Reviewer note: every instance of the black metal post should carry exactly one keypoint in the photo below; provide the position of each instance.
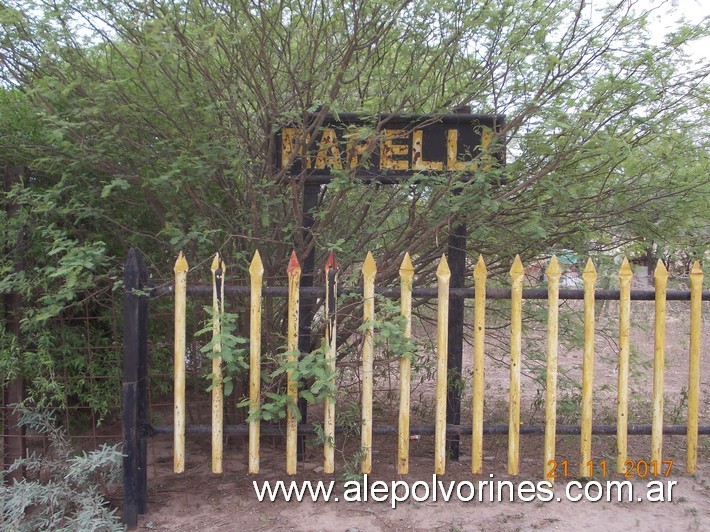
(135, 396)
(457, 265)
(306, 307)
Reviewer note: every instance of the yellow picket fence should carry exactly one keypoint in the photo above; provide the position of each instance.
(443, 274)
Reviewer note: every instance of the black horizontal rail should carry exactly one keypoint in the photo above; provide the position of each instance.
(204, 290)
(462, 430)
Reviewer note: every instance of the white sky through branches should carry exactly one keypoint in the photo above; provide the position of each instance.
(665, 16)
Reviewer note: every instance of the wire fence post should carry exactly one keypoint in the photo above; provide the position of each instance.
(13, 435)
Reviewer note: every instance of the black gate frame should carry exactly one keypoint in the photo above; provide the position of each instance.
(135, 388)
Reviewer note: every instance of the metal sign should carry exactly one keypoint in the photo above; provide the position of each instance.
(390, 148)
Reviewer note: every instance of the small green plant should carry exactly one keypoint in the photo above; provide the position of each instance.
(63, 490)
(319, 437)
(569, 405)
(351, 467)
(347, 417)
(234, 355)
(314, 376)
(388, 328)
(312, 372)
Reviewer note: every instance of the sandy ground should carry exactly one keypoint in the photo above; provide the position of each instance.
(197, 500)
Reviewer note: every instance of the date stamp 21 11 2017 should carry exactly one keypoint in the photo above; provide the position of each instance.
(632, 469)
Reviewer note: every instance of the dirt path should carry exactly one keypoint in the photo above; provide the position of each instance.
(198, 500)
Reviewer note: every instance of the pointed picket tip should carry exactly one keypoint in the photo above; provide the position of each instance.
(590, 272)
(480, 268)
(406, 268)
(215, 262)
(696, 270)
(293, 264)
(256, 268)
(625, 272)
(660, 272)
(517, 269)
(443, 269)
(180, 264)
(222, 265)
(331, 263)
(553, 269)
(369, 267)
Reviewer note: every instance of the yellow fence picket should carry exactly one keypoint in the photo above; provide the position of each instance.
(589, 276)
(696, 287)
(406, 276)
(660, 278)
(553, 295)
(294, 284)
(480, 274)
(516, 314)
(622, 409)
(443, 276)
(179, 364)
(331, 297)
(369, 269)
(256, 274)
(218, 271)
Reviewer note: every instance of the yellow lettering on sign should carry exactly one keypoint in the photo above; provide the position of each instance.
(394, 150)
(289, 138)
(357, 147)
(418, 162)
(487, 160)
(389, 150)
(328, 151)
(452, 150)
(288, 145)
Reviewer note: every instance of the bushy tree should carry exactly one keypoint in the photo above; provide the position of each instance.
(150, 124)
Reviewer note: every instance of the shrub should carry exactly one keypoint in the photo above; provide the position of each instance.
(63, 490)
